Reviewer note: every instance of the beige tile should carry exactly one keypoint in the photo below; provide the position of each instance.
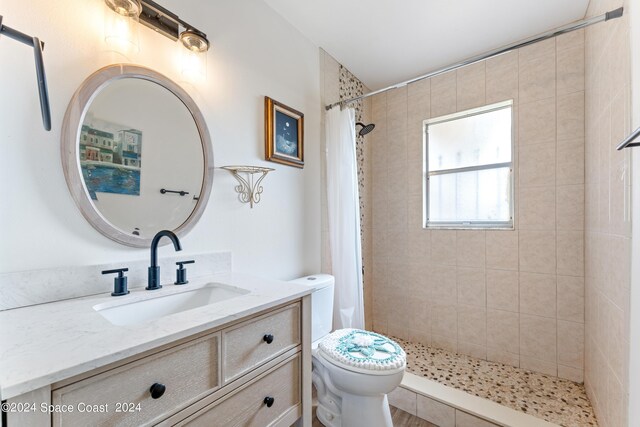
(397, 329)
(537, 121)
(415, 219)
(471, 286)
(472, 325)
(444, 321)
(502, 81)
(502, 290)
(537, 365)
(472, 350)
(443, 284)
(419, 100)
(570, 116)
(537, 251)
(537, 338)
(398, 217)
(443, 247)
(538, 294)
(538, 78)
(502, 249)
(445, 342)
(570, 161)
(470, 246)
(403, 399)
(570, 298)
(420, 336)
(570, 40)
(436, 412)
(470, 86)
(616, 340)
(509, 60)
(503, 330)
(571, 374)
(418, 313)
(419, 246)
(537, 50)
(616, 401)
(570, 207)
(504, 357)
(396, 246)
(537, 209)
(464, 419)
(443, 94)
(570, 344)
(537, 165)
(380, 325)
(570, 77)
(571, 253)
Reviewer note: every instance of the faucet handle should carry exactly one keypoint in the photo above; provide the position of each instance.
(120, 282)
(181, 272)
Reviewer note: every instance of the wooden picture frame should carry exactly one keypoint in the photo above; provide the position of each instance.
(283, 134)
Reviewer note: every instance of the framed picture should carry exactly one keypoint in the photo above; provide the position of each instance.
(284, 130)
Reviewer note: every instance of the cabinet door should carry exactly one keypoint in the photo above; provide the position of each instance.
(246, 346)
(247, 406)
(122, 396)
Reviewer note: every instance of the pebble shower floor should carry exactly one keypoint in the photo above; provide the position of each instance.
(552, 399)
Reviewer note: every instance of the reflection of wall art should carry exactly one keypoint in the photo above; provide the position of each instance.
(284, 130)
(110, 158)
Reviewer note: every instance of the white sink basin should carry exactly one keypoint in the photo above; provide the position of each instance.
(153, 308)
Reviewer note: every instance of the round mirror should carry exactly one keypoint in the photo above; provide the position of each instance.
(136, 154)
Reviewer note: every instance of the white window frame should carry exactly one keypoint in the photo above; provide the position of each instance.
(458, 225)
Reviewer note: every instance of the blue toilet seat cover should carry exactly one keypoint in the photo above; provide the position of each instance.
(363, 350)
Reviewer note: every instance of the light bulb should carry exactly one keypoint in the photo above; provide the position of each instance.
(121, 25)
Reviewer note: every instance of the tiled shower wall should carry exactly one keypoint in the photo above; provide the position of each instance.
(515, 297)
(608, 227)
(337, 84)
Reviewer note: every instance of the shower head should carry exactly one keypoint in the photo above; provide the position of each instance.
(365, 128)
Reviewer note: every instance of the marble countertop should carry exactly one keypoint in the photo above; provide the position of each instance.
(45, 343)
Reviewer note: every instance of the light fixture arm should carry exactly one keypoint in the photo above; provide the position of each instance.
(164, 21)
(40, 74)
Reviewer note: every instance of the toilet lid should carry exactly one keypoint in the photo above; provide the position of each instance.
(363, 351)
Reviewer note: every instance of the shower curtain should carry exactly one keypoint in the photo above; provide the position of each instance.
(344, 218)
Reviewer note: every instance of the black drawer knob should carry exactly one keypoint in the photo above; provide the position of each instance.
(157, 390)
(268, 338)
(269, 401)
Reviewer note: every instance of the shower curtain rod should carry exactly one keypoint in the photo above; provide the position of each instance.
(531, 40)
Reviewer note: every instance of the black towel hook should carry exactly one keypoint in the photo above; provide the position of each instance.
(40, 75)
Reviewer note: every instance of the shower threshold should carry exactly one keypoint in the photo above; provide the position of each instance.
(446, 385)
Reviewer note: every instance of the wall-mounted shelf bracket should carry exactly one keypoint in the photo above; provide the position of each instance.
(630, 141)
(249, 178)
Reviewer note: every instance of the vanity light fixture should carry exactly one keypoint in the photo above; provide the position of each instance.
(167, 23)
(249, 188)
(121, 27)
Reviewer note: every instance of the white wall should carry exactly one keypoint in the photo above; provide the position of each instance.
(254, 53)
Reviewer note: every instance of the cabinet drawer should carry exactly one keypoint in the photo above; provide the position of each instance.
(187, 371)
(246, 407)
(244, 346)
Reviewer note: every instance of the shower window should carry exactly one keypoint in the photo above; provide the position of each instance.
(469, 168)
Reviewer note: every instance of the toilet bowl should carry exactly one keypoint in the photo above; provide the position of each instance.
(353, 369)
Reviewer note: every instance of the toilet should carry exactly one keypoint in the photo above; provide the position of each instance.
(353, 369)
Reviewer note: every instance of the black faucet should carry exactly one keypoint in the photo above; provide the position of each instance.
(154, 270)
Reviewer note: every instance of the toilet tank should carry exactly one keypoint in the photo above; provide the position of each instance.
(321, 303)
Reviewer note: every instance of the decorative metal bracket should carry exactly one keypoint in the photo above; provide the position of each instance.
(249, 188)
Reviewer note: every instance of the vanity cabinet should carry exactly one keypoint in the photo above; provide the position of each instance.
(254, 371)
